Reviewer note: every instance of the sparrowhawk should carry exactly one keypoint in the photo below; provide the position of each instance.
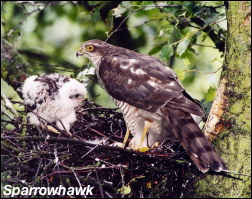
(152, 100)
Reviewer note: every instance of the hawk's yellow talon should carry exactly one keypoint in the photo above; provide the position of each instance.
(144, 149)
(140, 148)
(156, 144)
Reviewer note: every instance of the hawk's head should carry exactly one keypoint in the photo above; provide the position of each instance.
(94, 50)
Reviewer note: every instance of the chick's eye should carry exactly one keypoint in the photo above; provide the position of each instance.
(89, 48)
(75, 96)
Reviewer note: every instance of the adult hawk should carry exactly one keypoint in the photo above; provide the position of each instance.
(152, 101)
(52, 98)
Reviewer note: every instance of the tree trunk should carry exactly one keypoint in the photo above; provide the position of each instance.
(232, 117)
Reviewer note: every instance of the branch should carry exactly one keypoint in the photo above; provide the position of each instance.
(74, 141)
(202, 72)
(8, 105)
(13, 66)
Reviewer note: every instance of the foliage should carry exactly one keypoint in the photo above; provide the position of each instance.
(48, 35)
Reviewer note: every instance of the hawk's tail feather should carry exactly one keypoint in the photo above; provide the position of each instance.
(193, 140)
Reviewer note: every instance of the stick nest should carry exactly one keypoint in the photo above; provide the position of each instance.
(33, 156)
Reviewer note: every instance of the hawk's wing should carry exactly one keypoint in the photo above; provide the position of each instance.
(145, 82)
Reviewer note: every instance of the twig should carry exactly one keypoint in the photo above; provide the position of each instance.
(162, 6)
(123, 182)
(83, 143)
(95, 131)
(206, 46)
(6, 114)
(8, 104)
(99, 182)
(114, 31)
(76, 177)
(194, 32)
(163, 43)
(74, 161)
(89, 151)
(137, 26)
(202, 72)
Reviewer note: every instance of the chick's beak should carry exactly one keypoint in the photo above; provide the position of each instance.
(82, 98)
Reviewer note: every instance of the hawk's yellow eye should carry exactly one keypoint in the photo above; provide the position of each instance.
(89, 48)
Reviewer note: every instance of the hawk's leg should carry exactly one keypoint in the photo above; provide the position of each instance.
(146, 129)
(140, 144)
(126, 137)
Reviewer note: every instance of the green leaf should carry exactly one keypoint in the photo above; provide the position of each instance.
(155, 50)
(180, 74)
(195, 37)
(9, 91)
(186, 61)
(121, 8)
(110, 21)
(166, 52)
(190, 49)
(189, 6)
(180, 161)
(182, 46)
(11, 94)
(125, 190)
(214, 18)
(210, 94)
(93, 3)
(148, 5)
(166, 30)
(96, 16)
(175, 35)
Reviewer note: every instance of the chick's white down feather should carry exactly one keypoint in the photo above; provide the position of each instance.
(52, 98)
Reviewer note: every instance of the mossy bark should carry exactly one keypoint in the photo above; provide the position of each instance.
(234, 141)
(13, 67)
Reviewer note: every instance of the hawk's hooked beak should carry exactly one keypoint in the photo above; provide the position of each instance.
(79, 53)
